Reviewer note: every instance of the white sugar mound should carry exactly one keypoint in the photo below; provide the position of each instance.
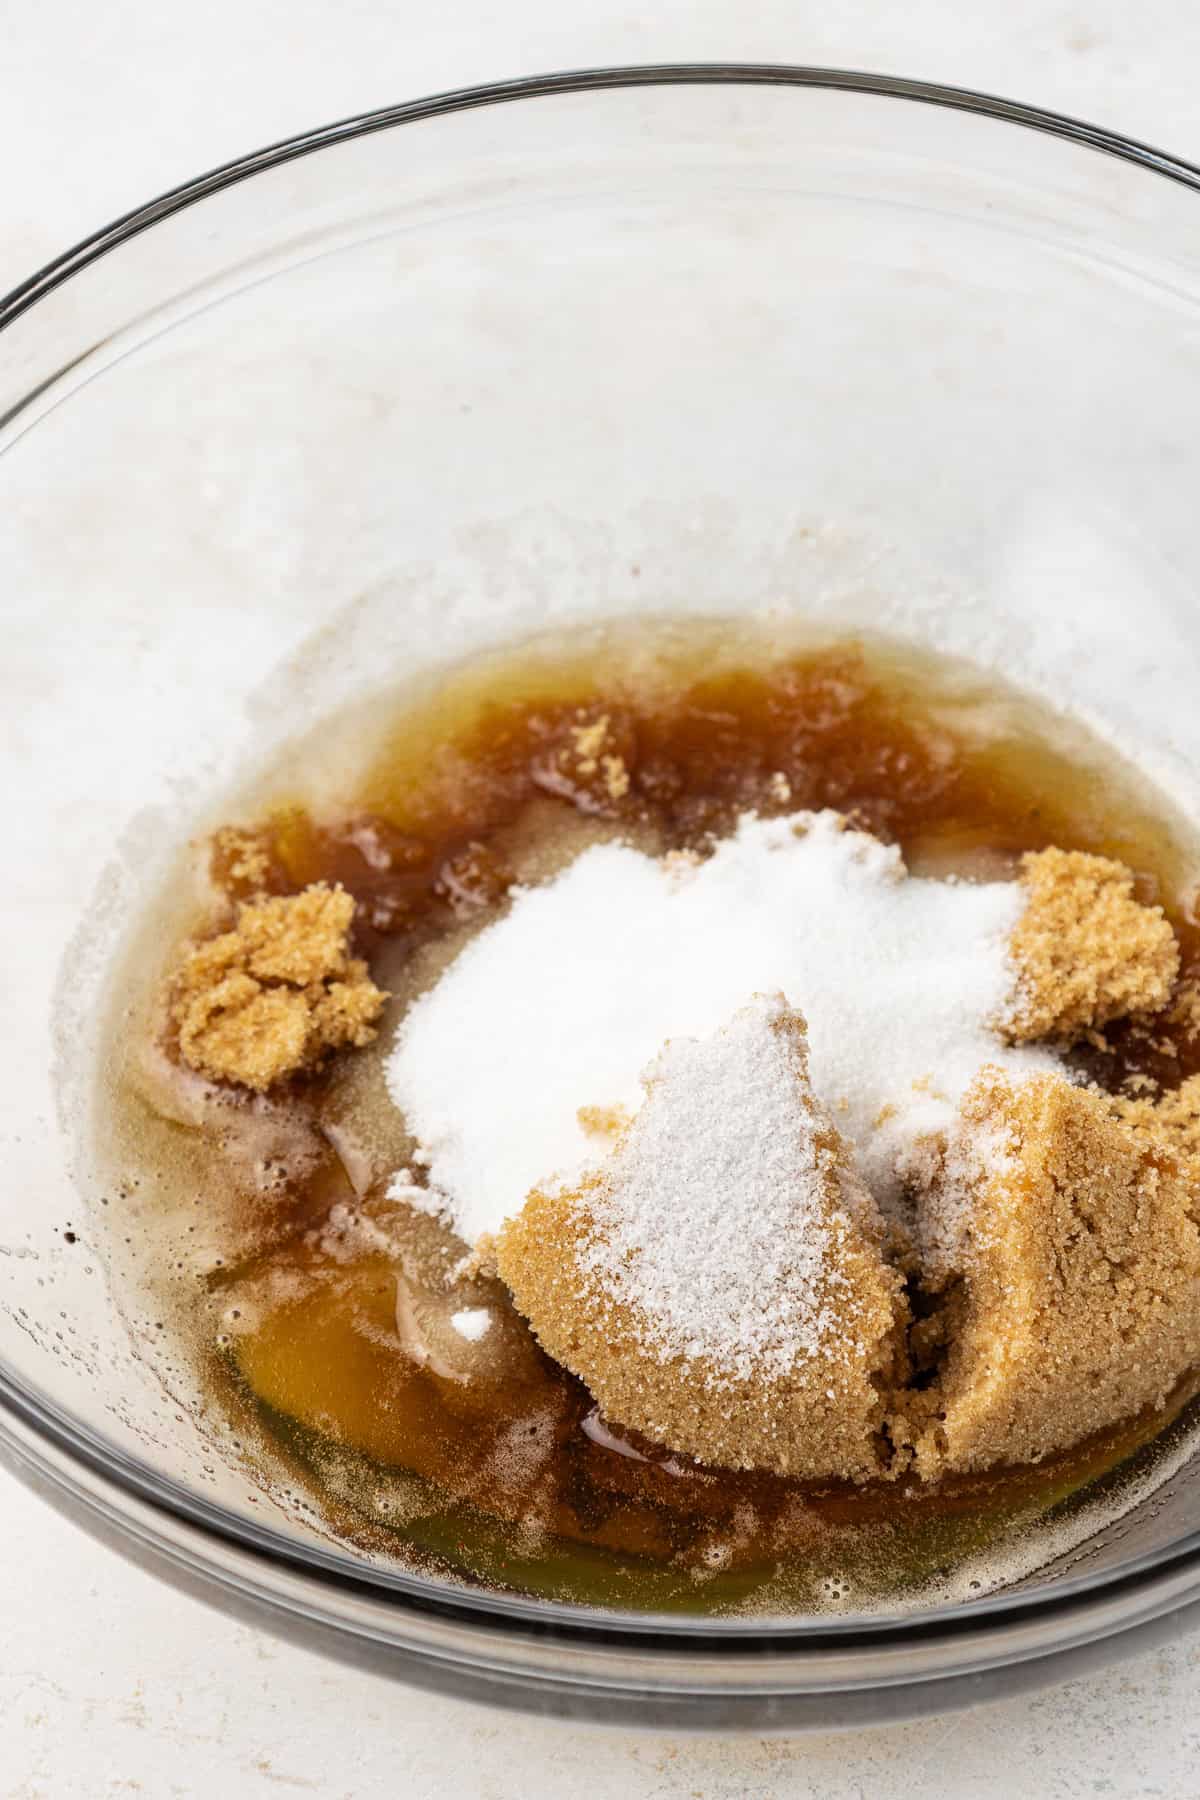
(566, 999)
(727, 1139)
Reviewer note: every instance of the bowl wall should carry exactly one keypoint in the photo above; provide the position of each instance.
(699, 349)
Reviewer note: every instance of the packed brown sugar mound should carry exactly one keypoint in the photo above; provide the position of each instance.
(277, 993)
(718, 1284)
(1069, 1269)
(1086, 951)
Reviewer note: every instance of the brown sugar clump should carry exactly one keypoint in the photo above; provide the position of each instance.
(277, 993)
(1069, 1272)
(607, 1122)
(589, 764)
(1085, 950)
(1184, 1010)
(718, 1283)
(1172, 1123)
(241, 860)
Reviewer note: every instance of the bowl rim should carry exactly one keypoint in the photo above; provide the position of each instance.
(79, 256)
(27, 1418)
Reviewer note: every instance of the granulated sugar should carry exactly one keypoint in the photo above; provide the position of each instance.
(473, 1323)
(563, 1002)
(729, 1142)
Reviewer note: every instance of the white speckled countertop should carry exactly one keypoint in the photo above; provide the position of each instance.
(109, 1683)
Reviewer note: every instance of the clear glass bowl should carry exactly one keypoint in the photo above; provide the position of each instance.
(687, 340)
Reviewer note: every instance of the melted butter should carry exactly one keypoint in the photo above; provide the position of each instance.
(320, 1314)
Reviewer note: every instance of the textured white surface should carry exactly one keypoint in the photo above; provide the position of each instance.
(110, 1684)
(898, 980)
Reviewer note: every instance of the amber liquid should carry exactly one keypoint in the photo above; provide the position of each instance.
(329, 1344)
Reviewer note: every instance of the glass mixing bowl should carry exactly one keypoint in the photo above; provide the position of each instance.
(686, 340)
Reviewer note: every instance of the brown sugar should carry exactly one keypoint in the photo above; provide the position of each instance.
(823, 1421)
(800, 1394)
(1068, 1267)
(1085, 950)
(277, 993)
(616, 776)
(1172, 1122)
(603, 1121)
(1184, 1011)
(589, 765)
(589, 740)
(241, 859)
